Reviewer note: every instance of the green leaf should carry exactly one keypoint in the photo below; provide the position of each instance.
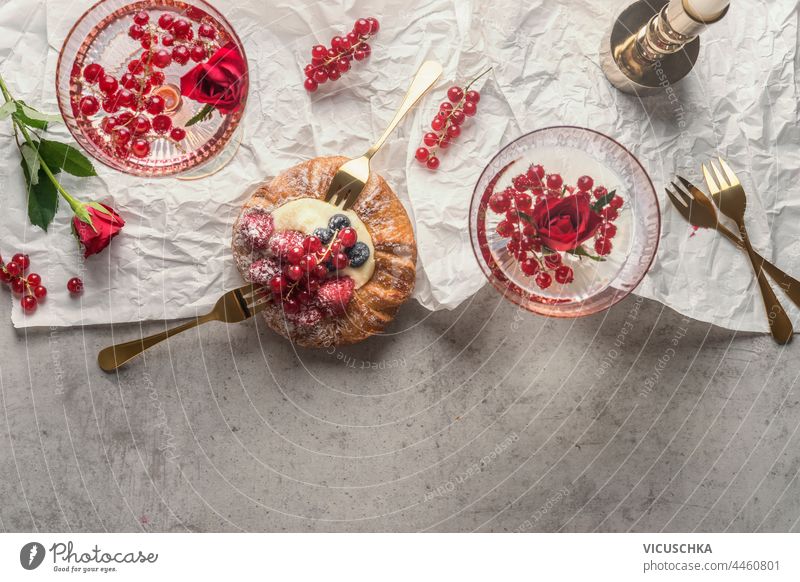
(582, 252)
(7, 109)
(31, 161)
(202, 115)
(42, 201)
(33, 118)
(603, 202)
(65, 157)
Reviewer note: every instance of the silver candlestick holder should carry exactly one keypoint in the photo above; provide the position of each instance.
(653, 44)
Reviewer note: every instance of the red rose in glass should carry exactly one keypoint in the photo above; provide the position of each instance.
(564, 223)
(96, 236)
(220, 81)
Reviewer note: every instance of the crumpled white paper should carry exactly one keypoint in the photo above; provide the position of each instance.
(173, 257)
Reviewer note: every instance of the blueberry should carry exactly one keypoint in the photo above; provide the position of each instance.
(358, 253)
(324, 234)
(338, 222)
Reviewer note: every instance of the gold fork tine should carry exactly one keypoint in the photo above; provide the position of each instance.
(729, 173)
(723, 183)
(712, 185)
(675, 199)
(680, 195)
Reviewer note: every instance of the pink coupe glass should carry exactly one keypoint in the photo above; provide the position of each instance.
(118, 118)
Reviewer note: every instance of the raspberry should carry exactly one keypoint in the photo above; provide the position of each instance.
(257, 228)
(263, 270)
(281, 242)
(335, 294)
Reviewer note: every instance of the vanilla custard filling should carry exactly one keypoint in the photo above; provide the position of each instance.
(308, 214)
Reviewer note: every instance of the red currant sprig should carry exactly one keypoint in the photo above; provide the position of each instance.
(446, 126)
(329, 64)
(28, 286)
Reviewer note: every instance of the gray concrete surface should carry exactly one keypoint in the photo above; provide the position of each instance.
(481, 419)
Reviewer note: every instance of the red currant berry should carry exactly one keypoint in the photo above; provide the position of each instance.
(207, 31)
(89, 105)
(294, 272)
(470, 108)
(93, 73)
(422, 154)
(523, 201)
(555, 181)
(499, 202)
(353, 39)
(599, 192)
(362, 27)
(141, 148)
(602, 246)
(340, 260)
(319, 272)
(75, 285)
(168, 40)
(521, 182)
(536, 174)
(181, 28)
(607, 230)
(309, 71)
(125, 98)
(609, 213)
(295, 254)
(155, 105)
(141, 18)
(343, 65)
(136, 32)
(125, 118)
(307, 263)
(311, 85)
(181, 55)
(162, 124)
(198, 53)
(291, 306)
(505, 228)
(585, 184)
(121, 136)
(432, 163)
(616, 203)
(457, 117)
(359, 55)
(312, 244)
(22, 260)
(141, 125)
(552, 261)
(40, 292)
(129, 81)
(455, 94)
(319, 52)
(108, 124)
(453, 131)
(34, 279)
(472, 96)
(544, 280)
(108, 84)
(166, 21)
(374, 25)
(348, 237)
(177, 134)
(162, 58)
(18, 285)
(304, 297)
(333, 73)
(430, 139)
(29, 303)
(437, 124)
(564, 275)
(320, 76)
(529, 267)
(338, 44)
(278, 284)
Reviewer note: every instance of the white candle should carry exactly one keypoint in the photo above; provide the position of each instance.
(706, 10)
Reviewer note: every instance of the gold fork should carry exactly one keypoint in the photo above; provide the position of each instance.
(730, 197)
(233, 307)
(351, 178)
(698, 209)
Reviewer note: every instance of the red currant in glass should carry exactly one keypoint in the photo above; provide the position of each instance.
(472, 96)
(181, 28)
(168, 40)
(108, 84)
(34, 279)
(602, 246)
(75, 285)
(40, 292)
(23, 260)
(455, 94)
(432, 163)
(536, 174)
(29, 303)
(141, 148)
(609, 213)
(111, 104)
(89, 105)
(92, 73)
(198, 53)
(121, 136)
(422, 154)
(125, 98)
(141, 18)
(555, 181)
(505, 228)
(136, 32)
(544, 280)
(523, 201)
(311, 85)
(499, 202)
(162, 124)
(585, 184)
(180, 54)
(529, 267)
(162, 58)
(155, 105)
(207, 31)
(125, 118)
(470, 108)
(108, 124)
(177, 133)
(129, 81)
(165, 21)
(141, 125)
(564, 275)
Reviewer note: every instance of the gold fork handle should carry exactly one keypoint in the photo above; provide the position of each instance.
(116, 356)
(789, 284)
(426, 76)
(779, 323)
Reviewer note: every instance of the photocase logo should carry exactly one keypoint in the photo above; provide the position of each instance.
(31, 555)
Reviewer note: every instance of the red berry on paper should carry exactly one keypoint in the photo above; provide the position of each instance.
(470, 108)
(29, 303)
(18, 285)
(453, 131)
(433, 162)
(455, 94)
(23, 260)
(374, 25)
(458, 117)
(362, 27)
(430, 139)
(437, 124)
(472, 96)
(422, 154)
(34, 279)
(311, 85)
(40, 292)
(75, 286)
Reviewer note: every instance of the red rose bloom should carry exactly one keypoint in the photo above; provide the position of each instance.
(220, 81)
(564, 223)
(96, 236)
